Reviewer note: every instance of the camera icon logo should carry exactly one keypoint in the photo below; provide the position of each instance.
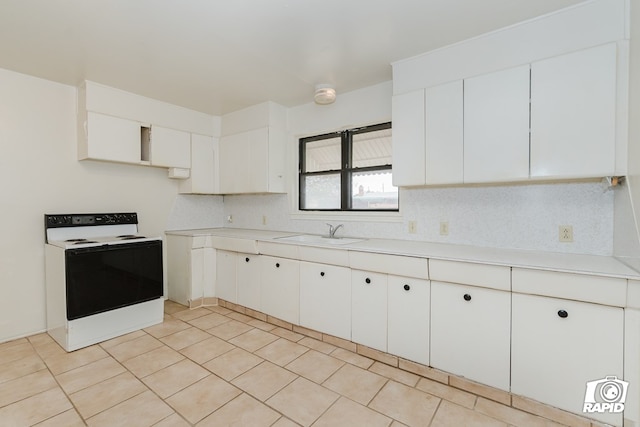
(605, 395)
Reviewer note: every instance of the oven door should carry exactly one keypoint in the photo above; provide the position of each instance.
(104, 278)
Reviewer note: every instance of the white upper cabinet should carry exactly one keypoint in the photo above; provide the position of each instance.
(408, 148)
(496, 126)
(170, 147)
(573, 114)
(444, 134)
(204, 166)
(110, 138)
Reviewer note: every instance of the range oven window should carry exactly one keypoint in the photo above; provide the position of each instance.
(108, 277)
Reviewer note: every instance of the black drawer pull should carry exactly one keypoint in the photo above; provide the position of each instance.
(467, 297)
(277, 265)
(406, 287)
(563, 314)
(246, 259)
(367, 280)
(322, 273)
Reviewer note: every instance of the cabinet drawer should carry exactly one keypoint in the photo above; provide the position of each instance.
(390, 264)
(580, 287)
(249, 246)
(466, 273)
(278, 250)
(324, 256)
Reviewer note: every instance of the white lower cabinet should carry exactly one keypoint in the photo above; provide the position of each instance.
(408, 318)
(470, 332)
(226, 275)
(369, 309)
(248, 280)
(325, 299)
(559, 345)
(190, 269)
(280, 291)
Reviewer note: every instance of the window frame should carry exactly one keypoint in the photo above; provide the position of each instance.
(346, 170)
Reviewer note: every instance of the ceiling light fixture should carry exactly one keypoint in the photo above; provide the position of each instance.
(325, 94)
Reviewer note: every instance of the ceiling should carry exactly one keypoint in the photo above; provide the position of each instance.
(218, 56)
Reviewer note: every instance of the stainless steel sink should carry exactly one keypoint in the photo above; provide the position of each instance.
(313, 239)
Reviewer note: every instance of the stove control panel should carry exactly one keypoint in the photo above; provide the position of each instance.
(84, 220)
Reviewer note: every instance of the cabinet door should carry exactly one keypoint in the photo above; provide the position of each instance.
(248, 281)
(408, 148)
(112, 138)
(496, 126)
(560, 345)
(280, 291)
(257, 157)
(225, 287)
(369, 309)
(234, 167)
(408, 318)
(170, 147)
(573, 114)
(470, 332)
(325, 299)
(444, 133)
(203, 178)
(179, 269)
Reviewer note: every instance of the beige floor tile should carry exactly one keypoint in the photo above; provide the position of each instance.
(209, 321)
(27, 386)
(281, 351)
(153, 361)
(106, 394)
(167, 327)
(264, 380)
(134, 347)
(303, 401)
(356, 414)
(511, 415)
(549, 412)
(450, 414)
(20, 367)
(317, 345)
(187, 315)
(230, 329)
(240, 317)
(285, 333)
(50, 350)
(315, 366)
(405, 404)
(68, 361)
(253, 340)
(404, 377)
(146, 409)
(185, 338)
(171, 307)
(173, 420)
(69, 418)
(174, 378)
(446, 392)
(233, 363)
(15, 350)
(260, 324)
(285, 422)
(122, 338)
(219, 310)
(244, 410)
(207, 349)
(355, 383)
(480, 389)
(351, 357)
(88, 375)
(202, 398)
(35, 409)
(41, 339)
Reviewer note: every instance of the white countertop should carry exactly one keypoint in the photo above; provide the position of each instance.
(571, 263)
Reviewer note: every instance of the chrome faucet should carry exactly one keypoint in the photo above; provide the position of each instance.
(332, 230)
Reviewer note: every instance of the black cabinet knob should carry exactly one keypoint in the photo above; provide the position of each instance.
(277, 265)
(246, 259)
(563, 314)
(367, 280)
(322, 273)
(406, 287)
(467, 297)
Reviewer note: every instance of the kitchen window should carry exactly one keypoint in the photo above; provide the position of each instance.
(347, 171)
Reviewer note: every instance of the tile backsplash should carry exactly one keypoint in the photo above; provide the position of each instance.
(506, 216)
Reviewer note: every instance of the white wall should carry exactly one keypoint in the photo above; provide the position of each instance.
(503, 216)
(40, 174)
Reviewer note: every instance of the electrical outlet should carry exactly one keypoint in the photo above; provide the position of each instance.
(565, 233)
(444, 228)
(264, 220)
(413, 227)
(229, 218)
